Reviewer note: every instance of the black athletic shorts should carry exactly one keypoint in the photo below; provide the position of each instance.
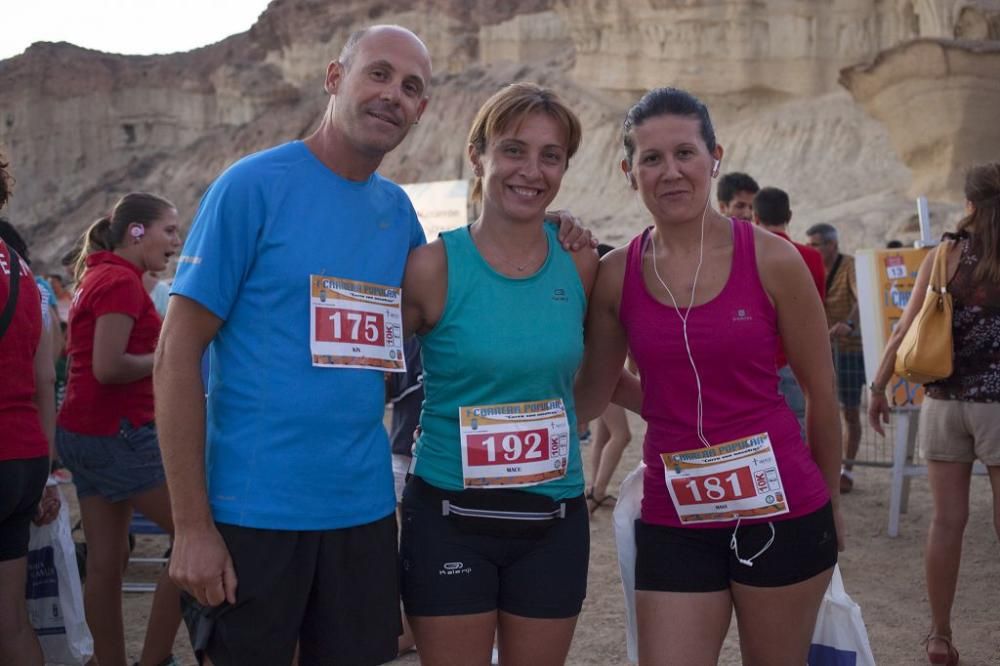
(691, 559)
(21, 486)
(454, 567)
(334, 592)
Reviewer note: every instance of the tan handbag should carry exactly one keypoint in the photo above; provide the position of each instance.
(925, 354)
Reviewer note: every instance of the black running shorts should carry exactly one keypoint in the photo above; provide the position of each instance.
(21, 486)
(451, 569)
(691, 559)
(334, 592)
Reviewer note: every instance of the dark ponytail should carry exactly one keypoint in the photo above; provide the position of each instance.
(95, 239)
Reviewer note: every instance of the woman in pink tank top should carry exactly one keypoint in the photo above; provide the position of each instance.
(737, 512)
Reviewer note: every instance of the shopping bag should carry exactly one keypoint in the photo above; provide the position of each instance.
(840, 637)
(626, 512)
(54, 595)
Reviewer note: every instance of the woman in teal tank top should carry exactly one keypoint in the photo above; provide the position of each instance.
(495, 536)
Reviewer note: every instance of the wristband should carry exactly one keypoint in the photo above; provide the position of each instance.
(875, 389)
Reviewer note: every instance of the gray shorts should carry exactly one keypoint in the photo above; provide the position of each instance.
(115, 467)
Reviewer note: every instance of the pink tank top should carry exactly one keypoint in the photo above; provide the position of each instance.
(732, 338)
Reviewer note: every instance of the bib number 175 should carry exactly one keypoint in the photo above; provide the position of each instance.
(353, 326)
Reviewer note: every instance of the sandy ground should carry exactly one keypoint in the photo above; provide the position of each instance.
(884, 575)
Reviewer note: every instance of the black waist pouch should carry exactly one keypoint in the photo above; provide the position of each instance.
(501, 512)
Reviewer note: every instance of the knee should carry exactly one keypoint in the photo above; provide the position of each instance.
(952, 521)
(107, 565)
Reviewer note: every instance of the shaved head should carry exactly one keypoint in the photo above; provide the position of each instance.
(354, 40)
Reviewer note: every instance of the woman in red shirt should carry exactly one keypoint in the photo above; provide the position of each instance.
(27, 396)
(105, 433)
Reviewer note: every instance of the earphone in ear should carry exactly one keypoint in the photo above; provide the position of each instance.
(715, 168)
(137, 231)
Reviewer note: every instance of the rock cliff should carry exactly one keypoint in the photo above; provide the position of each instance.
(81, 127)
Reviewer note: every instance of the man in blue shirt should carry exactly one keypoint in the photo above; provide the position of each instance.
(282, 488)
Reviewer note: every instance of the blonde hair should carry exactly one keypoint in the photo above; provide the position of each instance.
(509, 107)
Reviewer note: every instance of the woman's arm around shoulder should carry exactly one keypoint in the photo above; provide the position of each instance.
(586, 261)
(605, 342)
(425, 287)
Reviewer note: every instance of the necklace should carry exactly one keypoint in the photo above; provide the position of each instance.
(519, 267)
(527, 261)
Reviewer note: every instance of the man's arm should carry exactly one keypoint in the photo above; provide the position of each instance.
(200, 563)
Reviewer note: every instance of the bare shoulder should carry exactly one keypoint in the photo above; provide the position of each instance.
(611, 277)
(427, 261)
(775, 254)
(613, 264)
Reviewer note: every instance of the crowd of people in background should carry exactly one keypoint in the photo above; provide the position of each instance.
(284, 495)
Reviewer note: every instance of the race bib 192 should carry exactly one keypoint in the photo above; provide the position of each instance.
(514, 444)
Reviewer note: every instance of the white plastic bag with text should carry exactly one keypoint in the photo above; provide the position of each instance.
(840, 637)
(54, 595)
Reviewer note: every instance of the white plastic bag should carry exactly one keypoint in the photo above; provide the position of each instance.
(54, 594)
(840, 637)
(626, 512)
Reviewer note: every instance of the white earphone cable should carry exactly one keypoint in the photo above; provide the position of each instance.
(687, 313)
(733, 543)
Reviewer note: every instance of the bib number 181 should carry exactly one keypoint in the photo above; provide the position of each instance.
(737, 484)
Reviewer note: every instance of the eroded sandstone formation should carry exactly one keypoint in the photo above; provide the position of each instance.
(82, 127)
(940, 99)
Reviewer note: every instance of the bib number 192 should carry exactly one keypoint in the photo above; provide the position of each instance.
(513, 447)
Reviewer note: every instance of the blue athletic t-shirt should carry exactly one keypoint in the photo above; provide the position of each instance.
(292, 446)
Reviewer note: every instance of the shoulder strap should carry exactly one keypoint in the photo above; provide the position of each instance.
(833, 272)
(15, 289)
(939, 271)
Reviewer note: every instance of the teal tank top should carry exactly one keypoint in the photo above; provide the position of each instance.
(500, 340)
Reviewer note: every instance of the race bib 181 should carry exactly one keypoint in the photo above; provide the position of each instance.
(738, 479)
